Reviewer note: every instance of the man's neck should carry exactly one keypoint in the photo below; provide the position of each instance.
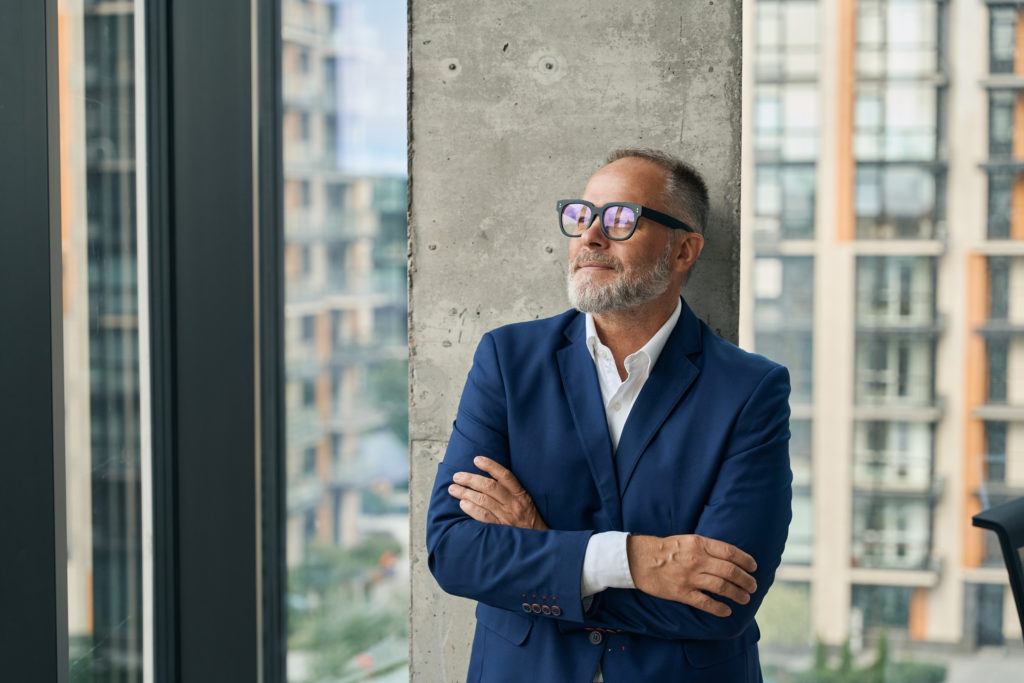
(626, 331)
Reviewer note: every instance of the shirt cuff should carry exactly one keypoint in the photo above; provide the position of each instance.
(605, 564)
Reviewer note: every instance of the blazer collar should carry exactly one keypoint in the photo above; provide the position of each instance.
(669, 381)
(670, 377)
(583, 392)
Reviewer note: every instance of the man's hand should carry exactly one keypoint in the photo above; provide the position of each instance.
(686, 568)
(501, 500)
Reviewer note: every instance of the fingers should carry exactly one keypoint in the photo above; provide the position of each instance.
(478, 499)
(501, 474)
(483, 484)
(720, 586)
(477, 512)
(727, 571)
(729, 552)
(706, 603)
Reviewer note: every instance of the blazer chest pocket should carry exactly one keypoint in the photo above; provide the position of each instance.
(509, 625)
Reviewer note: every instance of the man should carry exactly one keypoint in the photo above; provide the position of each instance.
(616, 490)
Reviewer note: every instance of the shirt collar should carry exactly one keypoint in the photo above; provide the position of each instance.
(654, 346)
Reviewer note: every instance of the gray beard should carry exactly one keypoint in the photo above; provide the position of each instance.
(631, 288)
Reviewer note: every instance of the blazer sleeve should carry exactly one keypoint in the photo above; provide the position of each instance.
(749, 506)
(499, 565)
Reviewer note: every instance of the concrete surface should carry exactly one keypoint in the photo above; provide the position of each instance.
(513, 105)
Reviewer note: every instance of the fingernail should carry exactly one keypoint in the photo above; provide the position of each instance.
(459, 476)
(452, 489)
(477, 460)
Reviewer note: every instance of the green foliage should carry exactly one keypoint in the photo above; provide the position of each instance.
(784, 616)
(881, 670)
(389, 386)
(343, 604)
(846, 659)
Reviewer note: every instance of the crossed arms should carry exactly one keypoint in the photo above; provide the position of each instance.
(487, 539)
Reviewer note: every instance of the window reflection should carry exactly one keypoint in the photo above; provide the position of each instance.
(101, 339)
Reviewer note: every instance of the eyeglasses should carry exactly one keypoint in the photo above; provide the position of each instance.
(618, 219)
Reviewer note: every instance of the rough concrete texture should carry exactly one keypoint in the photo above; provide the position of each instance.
(513, 105)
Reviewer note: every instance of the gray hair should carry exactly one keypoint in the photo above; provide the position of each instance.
(685, 189)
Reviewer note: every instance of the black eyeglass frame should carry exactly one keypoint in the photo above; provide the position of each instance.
(639, 210)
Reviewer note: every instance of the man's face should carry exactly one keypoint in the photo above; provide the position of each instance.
(606, 275)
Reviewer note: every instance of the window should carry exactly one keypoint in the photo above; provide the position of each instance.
(898, 38)
(999, 185)
(997, 353)
(995, 452)
(899, 202)
(893, 371)
(892, 455)
(999, 287)
(348, 589)
(1000, 122)
(890, 532)
(787, 40)
(895, 290)
(1002, 32)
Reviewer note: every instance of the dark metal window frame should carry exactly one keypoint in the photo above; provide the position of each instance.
(216, 293)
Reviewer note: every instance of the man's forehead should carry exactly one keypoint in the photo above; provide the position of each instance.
(630, 175)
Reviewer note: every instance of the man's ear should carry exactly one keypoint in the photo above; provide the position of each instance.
(687, 250)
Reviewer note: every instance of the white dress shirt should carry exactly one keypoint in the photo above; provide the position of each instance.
(605, 563)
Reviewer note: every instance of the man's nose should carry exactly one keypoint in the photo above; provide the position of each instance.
(594, 235)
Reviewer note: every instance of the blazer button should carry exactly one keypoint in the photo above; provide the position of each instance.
(535, 608)
(556, 611)
(526, 607)
(596, 637)
(544, 609)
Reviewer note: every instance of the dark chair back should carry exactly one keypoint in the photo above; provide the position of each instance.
(1007, 520)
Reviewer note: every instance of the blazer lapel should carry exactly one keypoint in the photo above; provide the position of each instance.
(669, 380)
(579, 379)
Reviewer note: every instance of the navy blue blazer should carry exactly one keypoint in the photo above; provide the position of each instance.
(705, 450)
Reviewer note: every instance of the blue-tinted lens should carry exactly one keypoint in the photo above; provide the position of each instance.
(618, 220)
(576, 218)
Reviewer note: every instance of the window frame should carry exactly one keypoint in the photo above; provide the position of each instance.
(216, 278)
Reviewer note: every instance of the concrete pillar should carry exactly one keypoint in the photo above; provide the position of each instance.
(513, 106)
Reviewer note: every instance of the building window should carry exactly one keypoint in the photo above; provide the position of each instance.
(787, 40)
(890, 532)
(892, 370)
(999, 185)
(997, 353)
(893, 455)
(786, 121)
(897, 38)
(899, 202)
(995, 452)
(1002, 37)
(999, 287)
(895, 290)
(1000, 122)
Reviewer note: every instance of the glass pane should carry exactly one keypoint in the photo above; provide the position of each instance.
(916, 332)
(102, 367)
(344, 126)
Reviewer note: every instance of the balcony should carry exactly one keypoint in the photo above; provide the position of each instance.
(886, 549)
(894, 474)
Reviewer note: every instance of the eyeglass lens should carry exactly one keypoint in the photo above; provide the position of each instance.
(617, 220)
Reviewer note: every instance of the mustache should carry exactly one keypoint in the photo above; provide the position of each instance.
(595, 257)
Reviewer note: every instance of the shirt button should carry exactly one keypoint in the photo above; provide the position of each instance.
(596, 637)
(616, 406)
